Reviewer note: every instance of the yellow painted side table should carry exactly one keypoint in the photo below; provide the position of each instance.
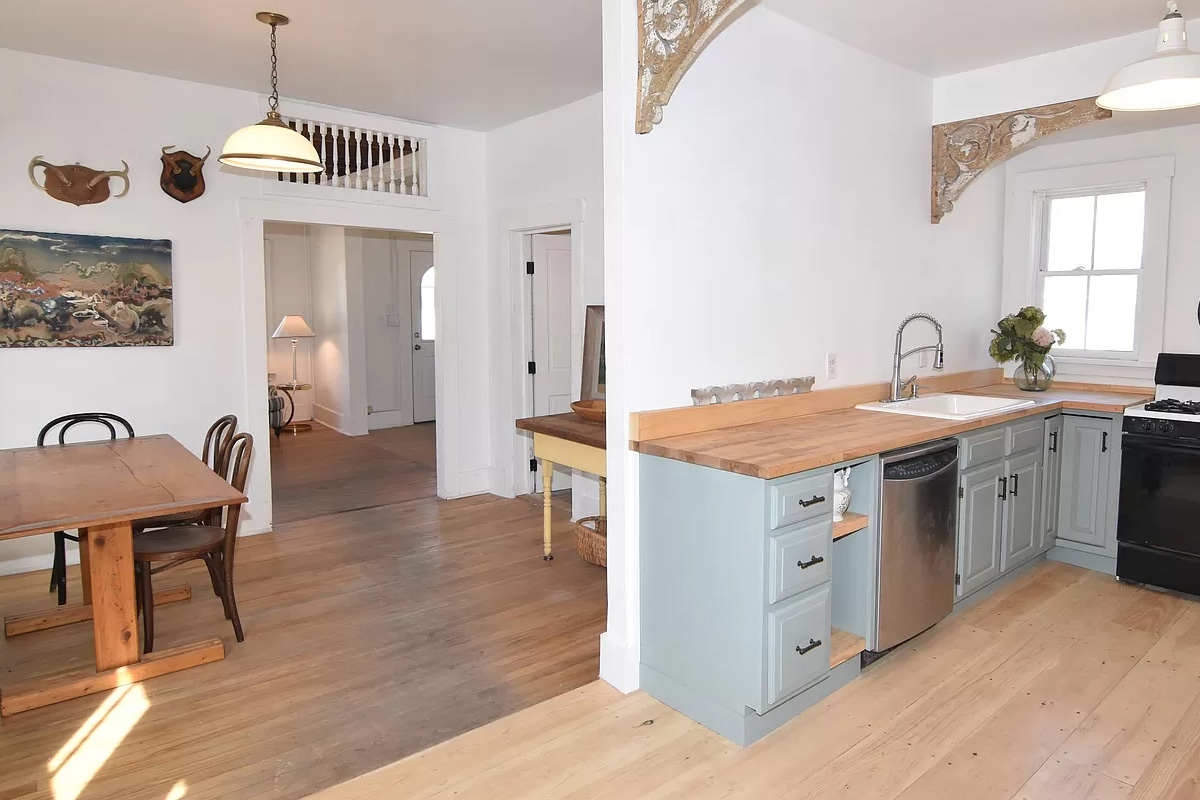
(567, 440)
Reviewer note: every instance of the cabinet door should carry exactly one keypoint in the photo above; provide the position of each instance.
(1051, 483)
(1083, 507)
(1022, 509)
(979, 528)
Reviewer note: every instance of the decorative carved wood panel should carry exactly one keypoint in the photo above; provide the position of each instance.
(963, 150)
(673, 34)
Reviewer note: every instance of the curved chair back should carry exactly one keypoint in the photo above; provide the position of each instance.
(241, 448)
(216, 444)
(95, 417)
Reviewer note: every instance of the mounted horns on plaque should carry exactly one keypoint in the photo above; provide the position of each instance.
(75, 184)
(183, 174)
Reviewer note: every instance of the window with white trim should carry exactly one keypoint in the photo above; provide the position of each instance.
(1090, 267)
(1088, 245)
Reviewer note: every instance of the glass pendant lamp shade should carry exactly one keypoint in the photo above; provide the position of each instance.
(270, 145)
(1167, 80)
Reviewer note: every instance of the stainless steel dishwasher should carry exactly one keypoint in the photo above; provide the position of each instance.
(917, 537)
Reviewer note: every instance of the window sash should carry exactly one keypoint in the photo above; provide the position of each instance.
(1043, 200)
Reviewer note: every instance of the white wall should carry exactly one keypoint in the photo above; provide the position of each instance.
(334, 307)
(289, 290)
(778, 213)
(544, 171)
(69, 112)
(1040, 80)
(1181, 332)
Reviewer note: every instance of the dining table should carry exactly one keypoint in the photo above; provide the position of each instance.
(101, 489)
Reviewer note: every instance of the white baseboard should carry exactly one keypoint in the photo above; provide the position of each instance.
(618, 664)
(471, 482)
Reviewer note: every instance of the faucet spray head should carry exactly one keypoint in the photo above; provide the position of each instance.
(939, 357)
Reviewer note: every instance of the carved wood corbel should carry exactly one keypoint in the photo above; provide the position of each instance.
(673, 33)
(963, 150)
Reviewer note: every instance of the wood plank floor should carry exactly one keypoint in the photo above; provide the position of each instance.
(1064, 685)
(379, 621)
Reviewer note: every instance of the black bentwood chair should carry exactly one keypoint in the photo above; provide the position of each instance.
(58, 572)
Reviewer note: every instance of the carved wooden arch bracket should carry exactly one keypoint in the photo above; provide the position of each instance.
(963, 150)
(673, 33)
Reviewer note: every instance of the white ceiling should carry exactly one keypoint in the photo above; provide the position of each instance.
(942, 37)
(474, 64)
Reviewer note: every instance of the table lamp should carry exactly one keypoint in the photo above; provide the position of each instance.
(295, 328)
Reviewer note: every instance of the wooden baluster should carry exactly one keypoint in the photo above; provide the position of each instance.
(405, 172)
(304, 132)
(385, 163)
(416, 161)
(338, 158)
(377, 161)
(371, 184)
(316, 140)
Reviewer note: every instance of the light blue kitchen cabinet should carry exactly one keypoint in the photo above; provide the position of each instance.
(1022, 509)
(1051, 482)
(980, 527)
(1088, 446)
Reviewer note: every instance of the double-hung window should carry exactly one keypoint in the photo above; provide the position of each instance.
(1089, 246)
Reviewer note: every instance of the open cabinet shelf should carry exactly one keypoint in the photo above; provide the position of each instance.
(844, 646)
(850, 523)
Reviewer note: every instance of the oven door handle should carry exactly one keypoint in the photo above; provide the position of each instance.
(1133, 441)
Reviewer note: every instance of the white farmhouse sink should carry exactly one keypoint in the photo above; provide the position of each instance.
(950, 406)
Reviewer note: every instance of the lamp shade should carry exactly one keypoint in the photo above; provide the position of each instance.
(270, 146)
(293, 326)
(1167, 80)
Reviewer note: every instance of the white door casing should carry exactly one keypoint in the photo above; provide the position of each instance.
(422, 291)
(551, 328)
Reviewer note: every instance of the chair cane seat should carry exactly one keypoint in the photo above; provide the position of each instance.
(181, 541)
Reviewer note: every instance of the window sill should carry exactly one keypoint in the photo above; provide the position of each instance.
(1095, 370)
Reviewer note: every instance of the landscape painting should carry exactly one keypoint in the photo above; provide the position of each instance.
(71, 290)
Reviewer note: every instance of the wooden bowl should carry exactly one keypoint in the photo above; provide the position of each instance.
(591, 410)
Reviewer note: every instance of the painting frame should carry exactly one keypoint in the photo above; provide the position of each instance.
(593, 385)
(85, 290)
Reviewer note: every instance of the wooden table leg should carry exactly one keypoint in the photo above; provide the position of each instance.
(547, 519)
(604, 497)
(85, 569)
(114, 603)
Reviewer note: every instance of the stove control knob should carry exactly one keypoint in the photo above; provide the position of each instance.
(1166, 427)
(1148, 426)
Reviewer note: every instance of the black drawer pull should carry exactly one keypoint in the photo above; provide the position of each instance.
(813, 644)
(816, 499)
(1103, 441)
(810, 563)
(1053, 441)
(1013, 491)
(1004, 488)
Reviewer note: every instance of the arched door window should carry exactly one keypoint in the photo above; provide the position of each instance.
(428, 309)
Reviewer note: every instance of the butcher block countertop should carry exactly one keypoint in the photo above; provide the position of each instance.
(786, 446)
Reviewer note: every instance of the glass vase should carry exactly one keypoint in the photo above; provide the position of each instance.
(1033, 378)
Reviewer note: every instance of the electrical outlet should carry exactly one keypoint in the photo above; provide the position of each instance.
(831, 366)
(924, 359)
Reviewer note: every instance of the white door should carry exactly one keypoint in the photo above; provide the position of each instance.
(424, 331)
(387, 328)
(551, 295)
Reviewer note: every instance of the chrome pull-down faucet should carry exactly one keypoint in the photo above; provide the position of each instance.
(898, 386)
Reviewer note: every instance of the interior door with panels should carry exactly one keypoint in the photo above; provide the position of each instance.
(980, 520)
(550, 288)
(423, 293)
(1087, 451)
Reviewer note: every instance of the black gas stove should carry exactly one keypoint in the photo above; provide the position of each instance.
(1158, 523)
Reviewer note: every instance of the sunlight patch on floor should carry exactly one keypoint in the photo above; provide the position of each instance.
(178, 791)
(78, 761)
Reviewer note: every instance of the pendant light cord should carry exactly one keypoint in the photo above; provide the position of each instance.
(274, 101)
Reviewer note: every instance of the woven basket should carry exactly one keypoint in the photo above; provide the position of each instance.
(591, 540)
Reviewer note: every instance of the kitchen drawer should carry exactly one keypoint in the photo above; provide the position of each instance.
(804, 498)
(798, 560)
(802, 625)
(981, 448)
(1025, 436)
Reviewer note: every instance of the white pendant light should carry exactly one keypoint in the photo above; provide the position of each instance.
(1166, 80)
(270, 145)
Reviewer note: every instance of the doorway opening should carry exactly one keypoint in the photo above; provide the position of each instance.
(351, 355)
